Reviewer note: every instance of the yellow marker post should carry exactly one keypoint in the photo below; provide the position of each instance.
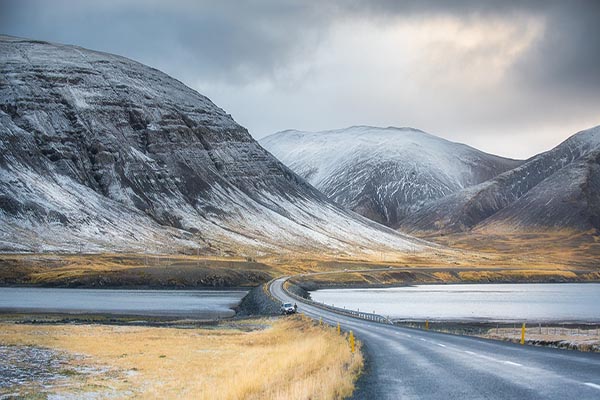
(321, 321)
(523, 333)
(351, 339)
(339, 329)
(426, 324)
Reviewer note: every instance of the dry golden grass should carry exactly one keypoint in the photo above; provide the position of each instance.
(394, 277)
(560, 248)
(291, 359)
(132, 270)
(549, 250)
(518, 259)
(112, 270)
(515, 275)
(536, 256)
(559, 336)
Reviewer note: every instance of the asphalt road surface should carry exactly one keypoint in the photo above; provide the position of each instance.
(406, 363)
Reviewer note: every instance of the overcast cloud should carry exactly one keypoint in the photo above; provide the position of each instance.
(511, 78)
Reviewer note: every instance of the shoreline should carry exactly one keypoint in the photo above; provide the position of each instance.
(133, 287)
(41, 318)
(312, 287)
(308, 286)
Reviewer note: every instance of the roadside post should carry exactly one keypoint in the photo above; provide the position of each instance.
(523, 333)
(339, 329)
(426, 324)
(351, 339)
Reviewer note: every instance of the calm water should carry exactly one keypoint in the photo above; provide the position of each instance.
(496, 302)
(175, 303)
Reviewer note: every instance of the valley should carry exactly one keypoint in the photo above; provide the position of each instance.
(384, 174)
(143, 204)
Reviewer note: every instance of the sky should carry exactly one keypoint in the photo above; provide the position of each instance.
(513, 78)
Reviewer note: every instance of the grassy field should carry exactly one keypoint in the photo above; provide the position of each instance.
(466, 257)
(252, 359)
(553, 336)
(544, 247)
(403, 276)
(116, 270)
(478, 257)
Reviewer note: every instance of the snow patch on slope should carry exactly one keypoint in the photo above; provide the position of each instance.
(101, 153)
(383, 173)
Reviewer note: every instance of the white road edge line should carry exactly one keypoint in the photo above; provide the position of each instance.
(593, 385)
(513, 363)
(490, 358)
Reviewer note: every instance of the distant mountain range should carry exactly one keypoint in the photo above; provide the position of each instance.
(385, 174)
(558, 189)
(422, 184)
(101, 153)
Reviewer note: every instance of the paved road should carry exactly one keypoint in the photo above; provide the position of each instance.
(412, 364)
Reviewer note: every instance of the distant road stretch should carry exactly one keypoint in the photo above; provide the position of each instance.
(412, 364)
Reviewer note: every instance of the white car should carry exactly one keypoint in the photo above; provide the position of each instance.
(287, 308)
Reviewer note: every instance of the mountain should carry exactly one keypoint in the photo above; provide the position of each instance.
(556, 189)
(384, 174)
(101, 153)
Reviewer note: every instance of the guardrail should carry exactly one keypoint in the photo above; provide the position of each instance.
(350, 313)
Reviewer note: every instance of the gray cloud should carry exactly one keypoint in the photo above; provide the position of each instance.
(217, 40)
(245, 40)
(567, 56)
(271, 62)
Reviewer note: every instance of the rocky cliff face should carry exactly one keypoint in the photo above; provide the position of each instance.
(385, 174)
(556, 189)
(103, 153)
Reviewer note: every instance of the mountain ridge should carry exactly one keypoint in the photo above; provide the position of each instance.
(557, 188)
(383, 173)
(102, 153)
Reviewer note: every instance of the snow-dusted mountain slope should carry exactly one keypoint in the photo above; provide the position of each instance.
(384, 174)
(556, 189)
(102, 153)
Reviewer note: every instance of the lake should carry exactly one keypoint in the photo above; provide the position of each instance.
(159, 303)
(487, 302)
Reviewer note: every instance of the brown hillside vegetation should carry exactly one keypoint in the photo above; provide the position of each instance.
(474, 256)
(291, 358)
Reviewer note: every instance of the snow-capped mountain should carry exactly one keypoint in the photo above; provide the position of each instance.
(556, 189)
(384, 174)
(98, 152)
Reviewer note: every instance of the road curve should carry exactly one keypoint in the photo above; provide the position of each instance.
(413, 364)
